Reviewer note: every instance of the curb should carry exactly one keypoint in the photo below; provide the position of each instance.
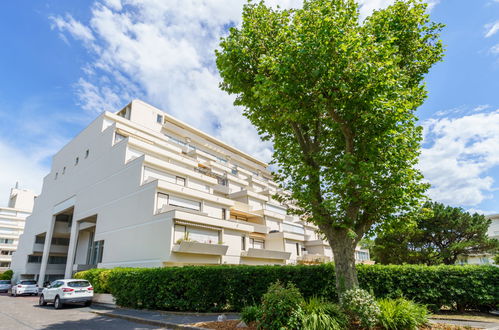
(149, 322)
(463, 320)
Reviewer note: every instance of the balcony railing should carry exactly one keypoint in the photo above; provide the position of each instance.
(200, 248)
(265, 254)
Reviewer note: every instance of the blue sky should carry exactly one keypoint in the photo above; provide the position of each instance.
(63, 62)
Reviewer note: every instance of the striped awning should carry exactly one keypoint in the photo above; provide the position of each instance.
(198, 225)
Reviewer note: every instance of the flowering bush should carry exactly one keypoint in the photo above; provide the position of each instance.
(361, 306)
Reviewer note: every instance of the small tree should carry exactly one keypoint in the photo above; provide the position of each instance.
(336, 96)
(436, 237)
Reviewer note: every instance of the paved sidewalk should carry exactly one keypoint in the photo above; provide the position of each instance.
(469, 323)
(170, 320)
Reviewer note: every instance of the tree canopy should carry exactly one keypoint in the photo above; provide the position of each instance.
(437, 236)
(336, 96)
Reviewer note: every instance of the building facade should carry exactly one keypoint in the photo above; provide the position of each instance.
(483, 258)
(139, 188)
(12, 222)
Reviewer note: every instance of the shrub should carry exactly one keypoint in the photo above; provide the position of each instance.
(97, 278)
(230, 288)
(401, 313)
(320, 314)
(279, 307)
(250, 314)
(7, 275)
(361, 306)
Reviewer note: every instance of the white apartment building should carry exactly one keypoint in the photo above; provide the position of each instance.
(12, 221)
(483, 258)
(139, 188)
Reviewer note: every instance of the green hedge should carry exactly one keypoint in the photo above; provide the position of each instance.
(230, 288)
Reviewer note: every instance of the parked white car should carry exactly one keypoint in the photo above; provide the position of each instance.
(67, 291)
(24, 287)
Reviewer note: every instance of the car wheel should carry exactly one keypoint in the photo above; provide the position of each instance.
(57, 303)
(41, 301)
(88, 303)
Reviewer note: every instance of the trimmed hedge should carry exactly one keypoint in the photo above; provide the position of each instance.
(230, 288)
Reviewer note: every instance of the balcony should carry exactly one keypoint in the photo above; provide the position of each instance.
(265, 254)
(286, 235)
(200, 248)
(62, 249)
(313, 259)
(82, 267)
(221, 189)
(316, 242)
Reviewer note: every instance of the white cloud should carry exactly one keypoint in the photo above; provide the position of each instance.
(77, 30)
(163, 52)
(473, 210)
(481, 108)
(368, 6)
(24, 167)
(456, 156)
(491, 29)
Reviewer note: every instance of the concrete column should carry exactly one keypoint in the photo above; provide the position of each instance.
(46, 252)
(73, 241)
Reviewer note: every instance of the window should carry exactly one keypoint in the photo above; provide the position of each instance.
(118, 137)
(96, 251)
(162, 200)
(180, 181)
(6, 253)
(4, 264)
(57, 260)
(224, 213)
(64, 170)
(243, 243)
(159, 119)
(87, 153)
(185, 203)
(6, 241)
(297, 249)
(56, 175)
(257, 243)
(77, 160)
(40, 239)
(34, 259)
(234, 170)
(78, 284)
(238, 217)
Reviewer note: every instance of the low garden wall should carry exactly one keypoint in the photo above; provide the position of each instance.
(230, 288)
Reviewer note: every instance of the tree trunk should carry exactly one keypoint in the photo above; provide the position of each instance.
(343, 247)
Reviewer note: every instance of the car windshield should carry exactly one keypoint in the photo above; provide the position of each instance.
(28, 282)
(78, 284)
(4, 282)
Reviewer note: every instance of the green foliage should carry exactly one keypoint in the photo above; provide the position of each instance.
(230, 288)
(496, 259)
(279, 306)
(401, 314)
(98, 277)
(336, 96)
(361, 306)
(434, 237)
(251, 314)
(7, 275)
(318, 314)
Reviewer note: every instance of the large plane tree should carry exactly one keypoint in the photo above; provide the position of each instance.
(336, 96)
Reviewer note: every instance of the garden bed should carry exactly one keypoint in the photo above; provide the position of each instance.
(232, 325)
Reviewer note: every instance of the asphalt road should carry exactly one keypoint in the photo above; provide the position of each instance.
(24, 313)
